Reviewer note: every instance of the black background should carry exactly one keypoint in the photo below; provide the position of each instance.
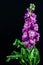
(11, 23)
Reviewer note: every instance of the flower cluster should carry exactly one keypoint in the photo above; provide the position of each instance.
(30, 35)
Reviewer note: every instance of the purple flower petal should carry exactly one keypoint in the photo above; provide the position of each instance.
(32, 19)
(26, 44)
(24, 36)
(34, 15)
(36, 27)
(27, 15)
(31, 33)
(32, 41)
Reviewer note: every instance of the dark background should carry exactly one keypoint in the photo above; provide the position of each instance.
(11, 23)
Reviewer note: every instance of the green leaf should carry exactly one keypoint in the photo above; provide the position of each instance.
(22, 62)
(18, 43)
(34, 57)
(8, 59)
(22, 51)
(14, 55)
(15, 43)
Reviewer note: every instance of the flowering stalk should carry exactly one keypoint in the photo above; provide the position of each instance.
(29, 54)
(30, 35)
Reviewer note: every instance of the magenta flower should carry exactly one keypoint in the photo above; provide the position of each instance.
(27, 14)
(24, 36)
(31, 33)
(34, 15)
(35, 27)
(32, 41)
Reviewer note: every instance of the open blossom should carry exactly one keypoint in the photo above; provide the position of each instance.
(34, 15)
(36, 27)
(32, 19)
(32, 41)
(26, 25)
(27, 44)
(27, 15)
(30, 35)
(24, 36)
